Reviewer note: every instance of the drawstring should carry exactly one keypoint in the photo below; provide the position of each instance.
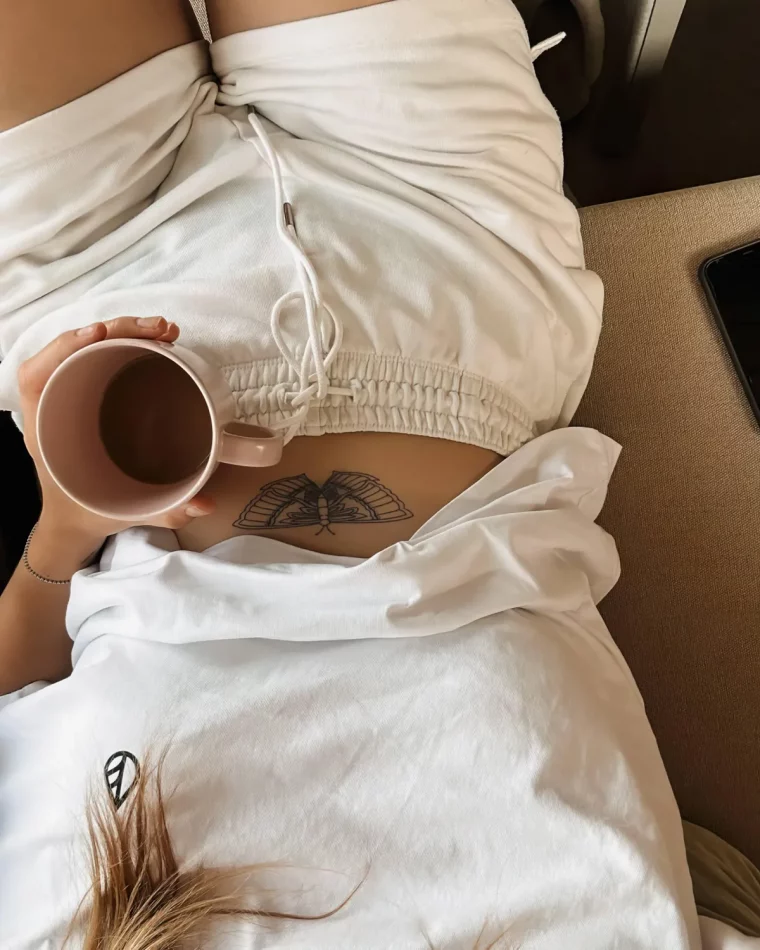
(545, 45)
(312, 369)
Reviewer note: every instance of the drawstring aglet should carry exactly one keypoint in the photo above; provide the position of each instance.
(290, 217)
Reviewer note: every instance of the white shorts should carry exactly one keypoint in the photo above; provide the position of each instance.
(425, 168)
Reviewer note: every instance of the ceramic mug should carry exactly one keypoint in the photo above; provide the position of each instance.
(70, 429)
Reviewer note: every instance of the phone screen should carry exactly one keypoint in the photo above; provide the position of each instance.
(733, 281)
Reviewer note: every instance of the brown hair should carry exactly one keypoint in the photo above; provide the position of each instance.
(139, 897)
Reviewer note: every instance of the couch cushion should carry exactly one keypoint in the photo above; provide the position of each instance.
(684, 503)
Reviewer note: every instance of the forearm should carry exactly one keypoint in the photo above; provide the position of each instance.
(236, 16)
(34, 644)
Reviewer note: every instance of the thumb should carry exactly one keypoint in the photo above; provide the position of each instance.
(200, 507)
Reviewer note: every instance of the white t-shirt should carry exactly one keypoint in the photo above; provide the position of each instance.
(450, 716)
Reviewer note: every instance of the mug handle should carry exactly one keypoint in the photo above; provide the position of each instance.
(250, 446)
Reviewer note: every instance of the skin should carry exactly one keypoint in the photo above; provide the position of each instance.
(51, 52)
(425, 474)
(235, 16)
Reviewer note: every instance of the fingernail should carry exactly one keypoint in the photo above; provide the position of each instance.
(194, 512)
(86, 331)
(149, 321)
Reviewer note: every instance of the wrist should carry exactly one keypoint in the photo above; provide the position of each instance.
(58, 549)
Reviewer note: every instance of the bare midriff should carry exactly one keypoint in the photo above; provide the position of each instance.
(351, 495)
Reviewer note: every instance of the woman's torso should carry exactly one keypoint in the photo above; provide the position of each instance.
(438, 224)
(367, 491)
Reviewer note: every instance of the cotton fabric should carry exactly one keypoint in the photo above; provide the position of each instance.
(425, 168)
(449, 717)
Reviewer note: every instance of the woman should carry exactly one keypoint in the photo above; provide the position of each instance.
(424, 705)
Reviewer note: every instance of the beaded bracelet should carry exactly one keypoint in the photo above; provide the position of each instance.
(28, 566)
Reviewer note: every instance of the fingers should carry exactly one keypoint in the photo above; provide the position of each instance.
(141, 328)
(199, 507)
(35, 372)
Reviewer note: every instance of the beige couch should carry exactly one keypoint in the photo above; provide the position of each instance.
(684, 503)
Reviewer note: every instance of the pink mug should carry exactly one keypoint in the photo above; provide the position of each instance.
(71, 435)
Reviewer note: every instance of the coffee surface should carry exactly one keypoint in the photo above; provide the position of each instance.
(154, 422)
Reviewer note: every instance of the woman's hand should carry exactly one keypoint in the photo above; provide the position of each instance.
(61, 516)
(34, 644)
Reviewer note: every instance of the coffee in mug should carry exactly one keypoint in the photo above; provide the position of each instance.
(131, 429)
(154, 422)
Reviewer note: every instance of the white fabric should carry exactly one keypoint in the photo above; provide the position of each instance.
(425, 169)
(322, 347)
(450, 716)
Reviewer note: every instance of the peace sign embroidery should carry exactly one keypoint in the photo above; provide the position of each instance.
(122, 772)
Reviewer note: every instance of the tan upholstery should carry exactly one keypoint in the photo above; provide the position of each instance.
(685, 502)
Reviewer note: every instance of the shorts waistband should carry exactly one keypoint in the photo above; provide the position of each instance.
(389, 394)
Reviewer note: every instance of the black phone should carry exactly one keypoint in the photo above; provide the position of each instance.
(732, 284)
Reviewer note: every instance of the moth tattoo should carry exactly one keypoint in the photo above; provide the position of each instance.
(345, 498)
